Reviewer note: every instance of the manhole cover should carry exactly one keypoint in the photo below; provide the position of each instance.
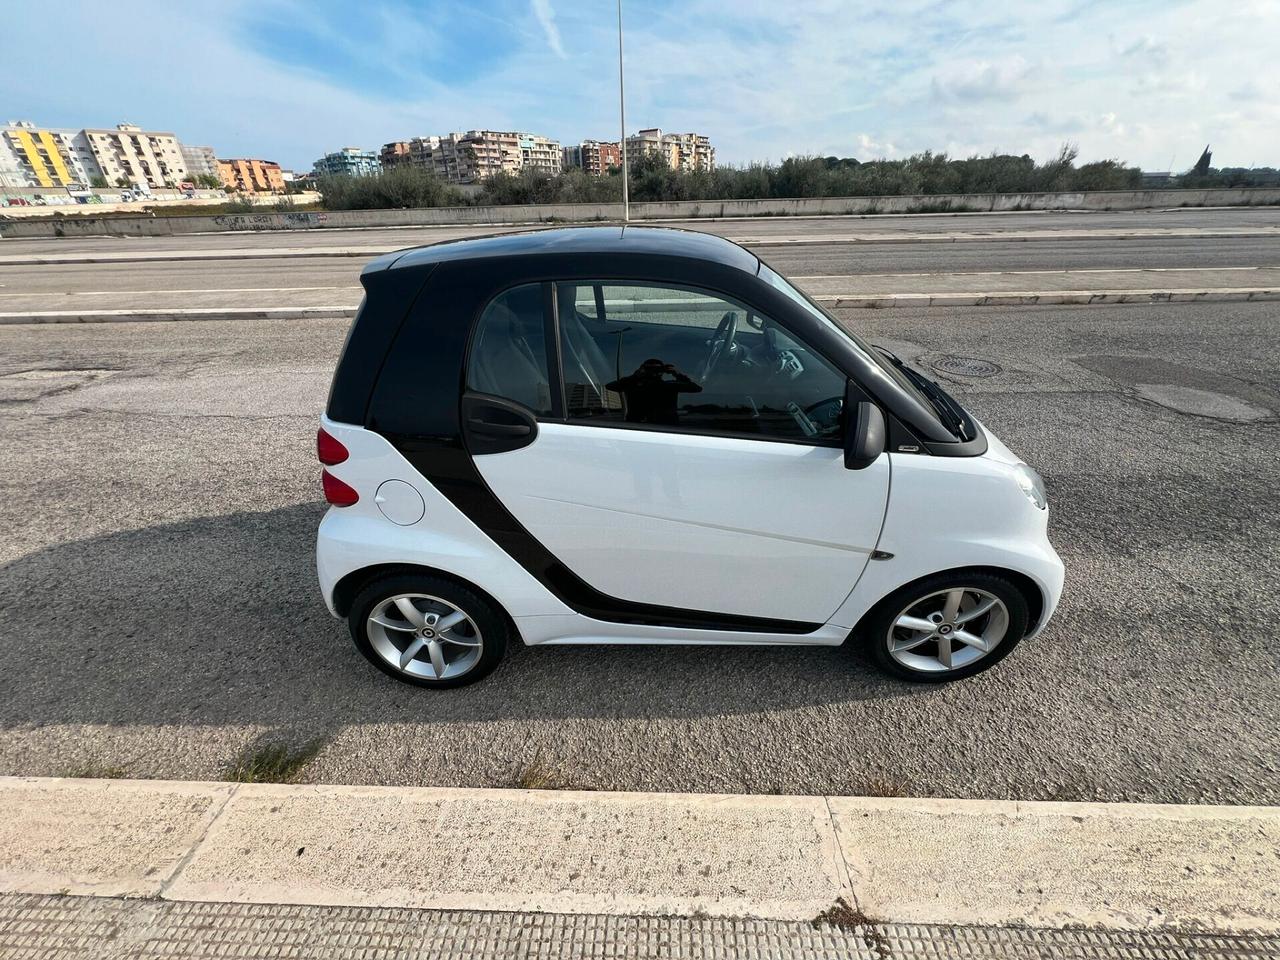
(966, 366)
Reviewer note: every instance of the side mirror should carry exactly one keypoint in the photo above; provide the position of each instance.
(863, 435)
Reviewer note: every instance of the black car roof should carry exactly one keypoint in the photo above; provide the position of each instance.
(652, 241)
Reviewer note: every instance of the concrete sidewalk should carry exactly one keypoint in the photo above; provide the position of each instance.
(772, 858)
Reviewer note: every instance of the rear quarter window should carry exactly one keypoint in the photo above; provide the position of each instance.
(508, 353)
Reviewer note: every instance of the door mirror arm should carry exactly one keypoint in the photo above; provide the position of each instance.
(864, 432)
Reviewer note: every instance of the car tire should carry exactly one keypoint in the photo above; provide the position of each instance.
(910, 652)
(424, 643)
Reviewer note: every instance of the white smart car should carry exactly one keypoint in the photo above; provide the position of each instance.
(634, 435)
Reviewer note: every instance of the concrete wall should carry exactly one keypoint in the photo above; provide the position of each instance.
(586, 212)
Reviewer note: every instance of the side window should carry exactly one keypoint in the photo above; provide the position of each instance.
(509, 350)
(675, 357)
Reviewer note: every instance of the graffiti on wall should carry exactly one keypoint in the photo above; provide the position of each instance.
(269, 221)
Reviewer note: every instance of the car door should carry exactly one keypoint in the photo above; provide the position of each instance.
(693, 461)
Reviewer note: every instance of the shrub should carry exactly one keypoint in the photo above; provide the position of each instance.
(396, 188)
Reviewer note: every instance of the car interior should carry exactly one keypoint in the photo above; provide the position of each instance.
(660, 355)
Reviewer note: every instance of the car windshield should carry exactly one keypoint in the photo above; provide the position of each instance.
(908, 380)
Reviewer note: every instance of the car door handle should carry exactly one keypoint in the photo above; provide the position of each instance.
(499, 429)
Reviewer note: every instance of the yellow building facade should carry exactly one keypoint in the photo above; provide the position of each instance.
(40, 152)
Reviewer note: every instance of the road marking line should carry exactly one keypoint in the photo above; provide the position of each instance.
(1018, 273)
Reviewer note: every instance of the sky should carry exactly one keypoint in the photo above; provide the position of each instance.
(1149, 83)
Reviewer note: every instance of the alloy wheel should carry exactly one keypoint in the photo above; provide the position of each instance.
(424, 636)
(948, 630)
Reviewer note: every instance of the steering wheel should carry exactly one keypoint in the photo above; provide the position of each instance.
(722, 344)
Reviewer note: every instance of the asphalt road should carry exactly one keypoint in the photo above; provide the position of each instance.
(160, 613)
(1001, 247)
(805, 260)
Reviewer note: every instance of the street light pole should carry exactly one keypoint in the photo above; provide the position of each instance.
(622, 116)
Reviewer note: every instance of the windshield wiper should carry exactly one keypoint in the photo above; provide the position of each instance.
(949, 412)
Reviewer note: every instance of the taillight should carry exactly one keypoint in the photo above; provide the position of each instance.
(328, 449)
(336, 492)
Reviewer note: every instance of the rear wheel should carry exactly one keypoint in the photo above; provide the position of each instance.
(427, 631)
(946, 627)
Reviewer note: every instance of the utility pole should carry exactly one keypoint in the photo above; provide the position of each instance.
(622, 116)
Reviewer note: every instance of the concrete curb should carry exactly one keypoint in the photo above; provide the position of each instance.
(838, 301)
(143, 256)
(174, 314)
(968, 862)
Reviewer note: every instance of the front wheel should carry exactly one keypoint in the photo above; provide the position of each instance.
(946, 627)
(427, 631)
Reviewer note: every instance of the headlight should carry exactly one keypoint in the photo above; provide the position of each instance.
(1031, 484)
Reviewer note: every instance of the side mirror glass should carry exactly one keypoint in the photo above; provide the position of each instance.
(864, 435)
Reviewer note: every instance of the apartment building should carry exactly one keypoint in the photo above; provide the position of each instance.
(593, 156)
(539, 153)
(477, 154)
(395, 153)
(348, 162)
(32, 156)
(129, 154)
(11, 172)
(251, 176)
(693, 151)
(495, 151)
(200, 161)
(680, 151)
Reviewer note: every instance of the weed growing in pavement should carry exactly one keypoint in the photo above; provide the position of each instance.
(537, 775)
(845, 917)
(273, 762)
(878, 786)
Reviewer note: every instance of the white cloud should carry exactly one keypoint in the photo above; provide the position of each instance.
(1111, 124)
(1003, 79)
(547, 18)
(871, 149)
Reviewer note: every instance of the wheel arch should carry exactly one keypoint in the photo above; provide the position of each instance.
(1030, 590)
(346, 589)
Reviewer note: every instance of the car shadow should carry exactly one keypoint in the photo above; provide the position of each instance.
(218, 620)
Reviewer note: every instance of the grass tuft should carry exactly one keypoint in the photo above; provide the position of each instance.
(273, 762)
(537, 775)
(882, 786)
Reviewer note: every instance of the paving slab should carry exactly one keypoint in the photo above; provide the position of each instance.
(100, 837)
(520, 850)
(1127, 866)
